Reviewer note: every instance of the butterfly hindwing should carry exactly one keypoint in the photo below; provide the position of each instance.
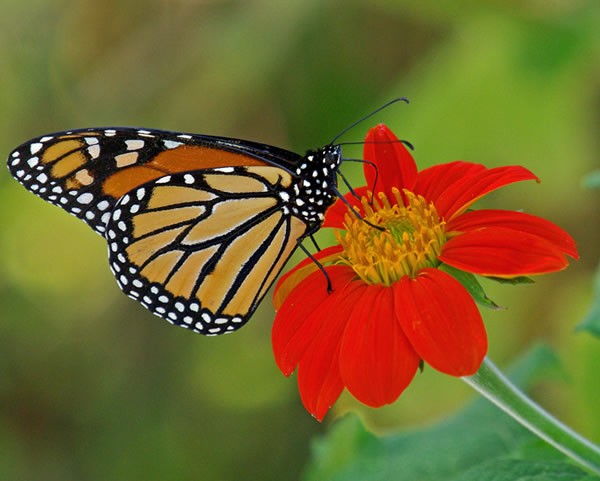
(200, 249)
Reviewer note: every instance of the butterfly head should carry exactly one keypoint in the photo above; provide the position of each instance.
(316, 188)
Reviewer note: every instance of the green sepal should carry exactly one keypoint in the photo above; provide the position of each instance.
(472, 285)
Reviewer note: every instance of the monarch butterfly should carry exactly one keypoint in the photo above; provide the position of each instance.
(198, 227)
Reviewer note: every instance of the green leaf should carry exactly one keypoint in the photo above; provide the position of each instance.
(524, 470)
(513, 280)
(592, 180)
(591, 322)
(479, 443)
(471, 284)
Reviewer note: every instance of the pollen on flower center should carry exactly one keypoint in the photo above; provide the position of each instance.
(411, 239)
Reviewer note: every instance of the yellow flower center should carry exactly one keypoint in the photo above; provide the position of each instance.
(411, 239)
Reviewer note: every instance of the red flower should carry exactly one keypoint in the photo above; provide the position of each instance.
(394, 302)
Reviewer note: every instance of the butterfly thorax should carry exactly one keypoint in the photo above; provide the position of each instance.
(316, 188)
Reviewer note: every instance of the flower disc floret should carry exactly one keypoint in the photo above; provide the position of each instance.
(411, 238)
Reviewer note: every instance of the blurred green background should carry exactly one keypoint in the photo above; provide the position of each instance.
(94, 387)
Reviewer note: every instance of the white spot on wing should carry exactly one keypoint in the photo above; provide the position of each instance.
(94, 151)
(85, 198)
(134, 144)
(171, 144)
(35, 148)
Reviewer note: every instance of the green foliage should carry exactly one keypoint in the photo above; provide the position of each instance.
(479, 443)
(472, 285)
(513, 281)
(591, 322)
(521, 470)
(592, 180)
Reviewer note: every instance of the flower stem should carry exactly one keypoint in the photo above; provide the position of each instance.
(496, 387)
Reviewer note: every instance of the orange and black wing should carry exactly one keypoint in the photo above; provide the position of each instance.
(87, 171)
(201, 248)
(198, 227)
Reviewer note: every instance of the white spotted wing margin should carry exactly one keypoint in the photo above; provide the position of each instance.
(201, 249)
(69, 168)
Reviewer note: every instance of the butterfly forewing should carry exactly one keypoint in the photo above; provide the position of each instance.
(200, 249)
(87, 171)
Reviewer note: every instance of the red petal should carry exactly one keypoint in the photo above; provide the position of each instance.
(319, 379)
(301, 315)
(433, 181)
(517, 221)
(334, 217)
(292, 278)
(501, 252)
(452, 195)
(376, 360)
(442, 322)
(395, 164)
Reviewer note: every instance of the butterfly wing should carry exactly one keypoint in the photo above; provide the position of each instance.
(201, 248)
(87, 171)
(198, 227)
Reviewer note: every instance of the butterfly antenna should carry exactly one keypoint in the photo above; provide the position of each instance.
(362, 142)
(384, 106)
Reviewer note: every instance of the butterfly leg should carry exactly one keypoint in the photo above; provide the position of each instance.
(319, 265)
(314, 241)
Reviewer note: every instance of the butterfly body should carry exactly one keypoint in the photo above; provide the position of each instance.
(198, 227)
